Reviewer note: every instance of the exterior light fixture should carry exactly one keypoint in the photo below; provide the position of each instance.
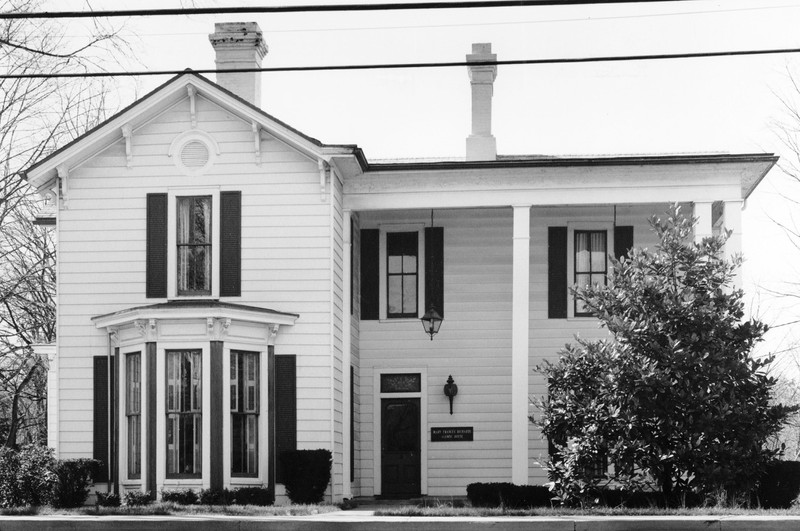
(450, 391)
(431, 322)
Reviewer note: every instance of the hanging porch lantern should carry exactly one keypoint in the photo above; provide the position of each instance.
(431, 322)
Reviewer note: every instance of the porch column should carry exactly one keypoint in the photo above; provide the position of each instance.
(732, 221)
(704, 227)
(520, 298)
(346, 346)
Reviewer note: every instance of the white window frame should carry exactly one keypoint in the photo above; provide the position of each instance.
(127, 482)
(581, 226)
(383, 310)
(204, 481)
(172, 240)
(263, 417)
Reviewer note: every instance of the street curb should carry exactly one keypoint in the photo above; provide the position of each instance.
(364, 522)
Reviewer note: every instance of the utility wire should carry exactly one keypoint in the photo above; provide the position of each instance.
(566, 60)
(394, 6)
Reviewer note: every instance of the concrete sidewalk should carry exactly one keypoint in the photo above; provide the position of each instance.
(365, 520)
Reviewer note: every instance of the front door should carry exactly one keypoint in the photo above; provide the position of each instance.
(400, 447)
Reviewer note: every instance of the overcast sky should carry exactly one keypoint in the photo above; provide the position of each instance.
(643, 107)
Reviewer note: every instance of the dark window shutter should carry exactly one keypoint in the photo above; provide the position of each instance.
(370, 280)
(352, 424)
(285, 409)
(100, 435)
(434, 269)
(557, 272)
(230, 273)
(156, 246)
(623, 240)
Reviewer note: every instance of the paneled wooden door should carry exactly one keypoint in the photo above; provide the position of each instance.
(400, 447)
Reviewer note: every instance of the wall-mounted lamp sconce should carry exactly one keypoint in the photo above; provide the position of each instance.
(450, 391)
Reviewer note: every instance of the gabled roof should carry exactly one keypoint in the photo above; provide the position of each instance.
(159, 99)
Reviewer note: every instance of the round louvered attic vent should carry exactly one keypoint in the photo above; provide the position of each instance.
(194, 154)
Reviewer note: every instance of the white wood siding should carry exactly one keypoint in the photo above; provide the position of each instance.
(286, 239)
(474, 344)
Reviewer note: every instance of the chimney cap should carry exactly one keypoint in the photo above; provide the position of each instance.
(238, 35)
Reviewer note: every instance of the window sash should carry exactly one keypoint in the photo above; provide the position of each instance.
(245, 410)
(184, 413)
(194, 250)
(590, 263)
(133, 411)
(402, 274)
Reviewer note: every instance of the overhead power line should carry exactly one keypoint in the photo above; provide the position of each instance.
(563, 60)
(393, 6)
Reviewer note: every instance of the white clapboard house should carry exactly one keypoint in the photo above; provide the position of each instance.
(230, 288)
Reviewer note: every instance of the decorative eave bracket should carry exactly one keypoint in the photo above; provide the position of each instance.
(257, 142)
(192, 104)
(127, 134)
(322, 166)
(63, 184)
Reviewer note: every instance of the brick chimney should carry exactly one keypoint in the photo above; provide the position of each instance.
(481, 145)
(239, 45)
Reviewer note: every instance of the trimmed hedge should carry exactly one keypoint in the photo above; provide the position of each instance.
(108, 499)
(780, 485)
(135, 498)
(307, 473)
(252, 496)
(180, 496)
(508, 495)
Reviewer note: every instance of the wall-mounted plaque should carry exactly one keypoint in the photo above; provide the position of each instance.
(451, 434)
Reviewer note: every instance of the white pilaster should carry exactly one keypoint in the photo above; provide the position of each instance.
(704, 227)
(520, 303)
(346, 346)
(733, 222)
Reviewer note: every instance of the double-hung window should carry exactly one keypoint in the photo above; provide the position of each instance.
(402, 280)
(590, 262)
(244, 413)
(133, 412)
(194, 252)
(184, 413)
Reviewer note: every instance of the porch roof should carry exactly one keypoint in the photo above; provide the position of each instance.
(545, 180)
(193, 309)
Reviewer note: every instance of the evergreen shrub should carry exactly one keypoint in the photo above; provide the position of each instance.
(307, 474)
(179, 496)
(252, 496)
(26, 476)
(110, 499)
(216, 497)
(72, 480)
(508, 495)
(136, 498)
(780, 485)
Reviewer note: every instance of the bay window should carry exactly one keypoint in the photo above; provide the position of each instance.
(184, 413)
(244, 413)
(133, 412)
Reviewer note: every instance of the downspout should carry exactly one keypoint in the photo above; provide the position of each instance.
(333, 312)
(111, 406)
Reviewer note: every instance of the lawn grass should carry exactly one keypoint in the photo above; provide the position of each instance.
(174, 509)
(449, 510)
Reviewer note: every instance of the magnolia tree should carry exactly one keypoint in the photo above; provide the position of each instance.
(673, 400)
